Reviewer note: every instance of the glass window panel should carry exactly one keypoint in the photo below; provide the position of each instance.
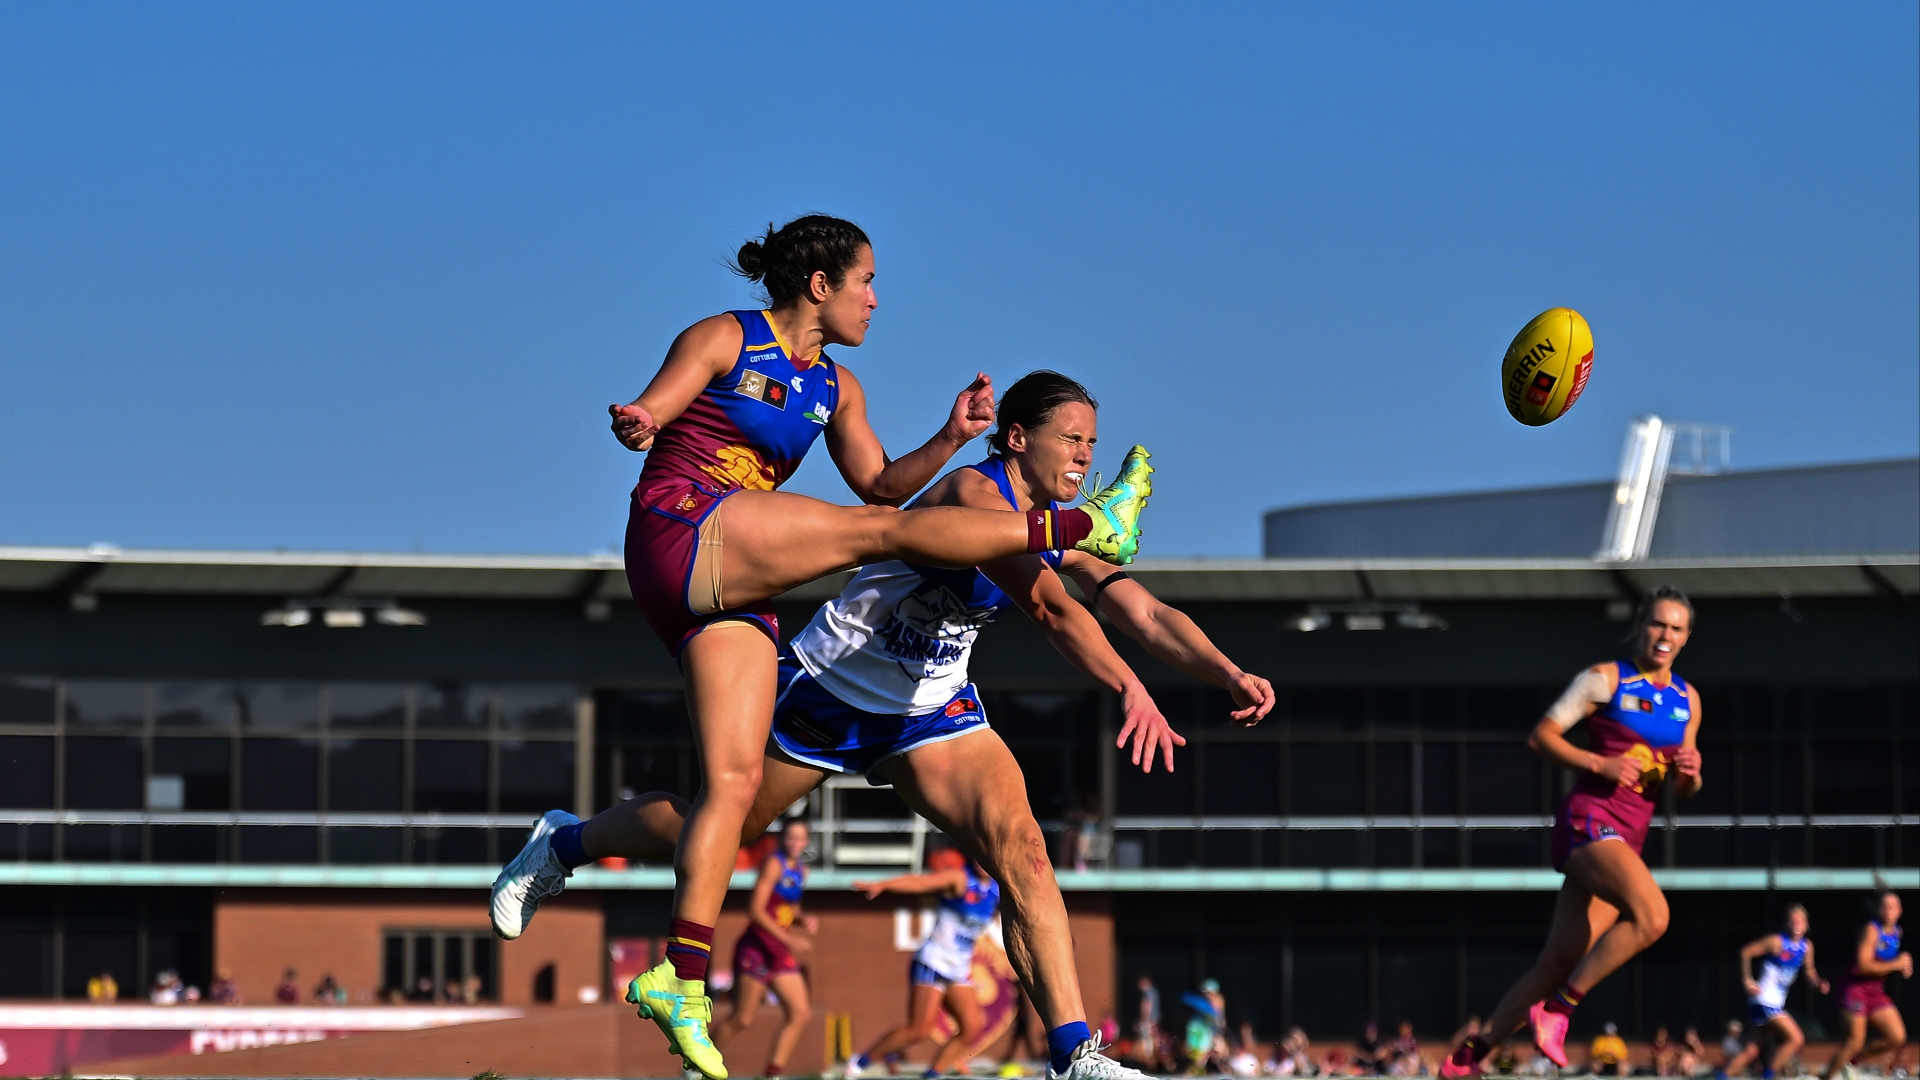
(1241, 778)
(105, 703)
(362, 846)
(186, 843)
(1155, 794)
(1320, 848)
(452, 705)
(1439, 778)
(280, 706)
(25, 843)
(26, 701)
(450, 846)
(193, 704)
(363, 775)
(204, 767)
(537, 708)
(1507, 847)
(1329, 991)
(1508, 779)
(535, 776)
(1417, 984)
(100, 843)
(279, 775)
(1326, 779)
(279, 844)
(1327, 707)
(103, 773)
(1393, 778)
(1392, 848)
(1853, 776)
(450, 777)
(366, 705)
(26, 772)
(1229, 847)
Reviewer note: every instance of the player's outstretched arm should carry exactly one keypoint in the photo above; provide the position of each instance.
(702, 353)
(1039, 592)
(1169, 634)
(881, 481)
(952, 882)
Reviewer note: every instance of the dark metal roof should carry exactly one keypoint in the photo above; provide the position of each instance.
(289, 575)
(1871, 507)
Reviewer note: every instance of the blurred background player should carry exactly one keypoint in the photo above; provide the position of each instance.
(736, 405)
(1781, 956)
(1642, 721)
(1863, 991)
(941, 973)
(769, 951)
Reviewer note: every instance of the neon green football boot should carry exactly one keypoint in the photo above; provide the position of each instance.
(1115, 510)
(683, 1011)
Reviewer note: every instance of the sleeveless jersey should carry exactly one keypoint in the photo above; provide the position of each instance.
(957, 924)
(783, 906)
(751, 426)
(1645, 723)
(897, 639)
(1886, 946)
(1778, 972)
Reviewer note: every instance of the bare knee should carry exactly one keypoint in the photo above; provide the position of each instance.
(798, 1014)
(1651, 918)
(732, 788)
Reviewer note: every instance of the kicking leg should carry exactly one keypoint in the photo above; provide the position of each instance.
(1579, 919)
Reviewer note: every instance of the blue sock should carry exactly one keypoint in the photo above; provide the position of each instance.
(930, 1075)
(565, 841)
(861, 1061)
(1063, 1041)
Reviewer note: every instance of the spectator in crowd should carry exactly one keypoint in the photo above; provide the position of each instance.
(224, 990)
(1406, 1059)
(1146, 1024)
(103, 987)
(1200, 1040)
(288, 992)
(1609, 1051)
(1296, 1055)
(329, 992)
(1245, 1060)
(167, 989)
(1367, 1056)
(1731, 1044)
(1471, 1029)
(470, 989)
(1666, 1055)
(1505, 1061)
(1693, 1053)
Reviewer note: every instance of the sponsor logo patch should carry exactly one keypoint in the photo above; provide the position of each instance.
(760, 388)
(959, 707)
(1633, 703)
(1542, 388)
(687, 504)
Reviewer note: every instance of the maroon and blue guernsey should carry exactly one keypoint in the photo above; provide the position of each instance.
(1645, 722)
(750, 427)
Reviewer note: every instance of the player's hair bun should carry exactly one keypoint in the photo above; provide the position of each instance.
(786, 259)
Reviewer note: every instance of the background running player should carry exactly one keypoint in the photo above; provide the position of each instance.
(1781, 957)
(941, 974)
(769, 951)
(1642, 721)
(738, 402)
(876, 684)
(1863, 991)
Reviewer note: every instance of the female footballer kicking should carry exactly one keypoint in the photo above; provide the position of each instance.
(1863, 990)
(735, 406)
(876, 684)
(768, 953)
(1642, 719)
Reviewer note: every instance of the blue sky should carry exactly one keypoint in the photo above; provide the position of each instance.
(366, 276)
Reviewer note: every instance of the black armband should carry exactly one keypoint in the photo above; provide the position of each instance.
(1109, 580)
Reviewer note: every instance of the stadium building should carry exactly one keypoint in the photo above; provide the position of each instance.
(251, 761)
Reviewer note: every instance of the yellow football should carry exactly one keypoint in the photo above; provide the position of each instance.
(1547, 366)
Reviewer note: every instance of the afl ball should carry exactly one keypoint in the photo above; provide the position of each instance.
(1547, 366)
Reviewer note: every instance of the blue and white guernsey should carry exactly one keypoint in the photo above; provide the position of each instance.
(897, 639)
(957, 924)
(1777, 973)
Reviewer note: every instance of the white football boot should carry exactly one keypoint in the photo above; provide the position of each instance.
(531, 877)
(1090, 1064)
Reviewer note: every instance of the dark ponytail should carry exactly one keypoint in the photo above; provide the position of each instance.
(786, 259)
(1032, 401)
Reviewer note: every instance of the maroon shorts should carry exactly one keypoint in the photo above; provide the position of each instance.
(1864, 996)
(757, 958)
(663, 536)
(1583, 820)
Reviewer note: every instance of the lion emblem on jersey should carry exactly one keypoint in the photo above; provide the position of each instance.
(741, 467)
(1652, 764)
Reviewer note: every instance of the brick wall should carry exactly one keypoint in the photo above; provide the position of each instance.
(258, 933)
